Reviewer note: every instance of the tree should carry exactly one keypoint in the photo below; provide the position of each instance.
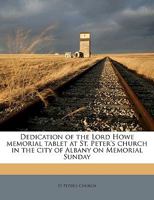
(22, 41)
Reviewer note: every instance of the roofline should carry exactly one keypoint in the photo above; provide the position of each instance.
(85, 33)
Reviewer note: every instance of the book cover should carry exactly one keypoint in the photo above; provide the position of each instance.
(76, 99)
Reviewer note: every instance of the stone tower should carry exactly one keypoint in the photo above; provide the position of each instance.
(85, 44)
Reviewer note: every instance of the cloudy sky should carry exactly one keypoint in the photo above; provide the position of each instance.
(115, 25)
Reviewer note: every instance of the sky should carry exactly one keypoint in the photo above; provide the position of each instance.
(116, 26)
